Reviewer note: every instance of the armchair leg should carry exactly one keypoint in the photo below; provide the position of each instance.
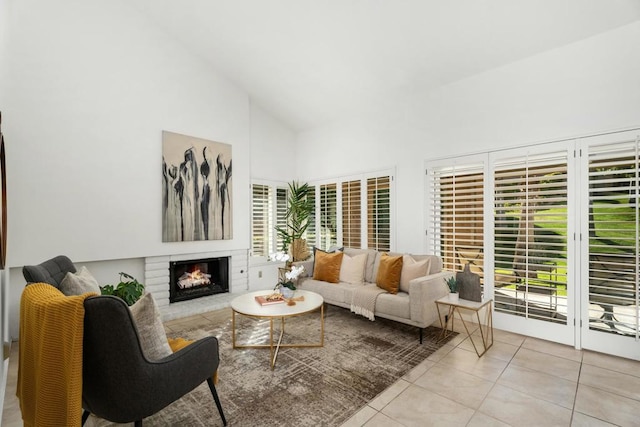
(85, 416)
(217, 399)
(421, 331)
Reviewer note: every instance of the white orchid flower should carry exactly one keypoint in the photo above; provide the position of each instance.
(294, 273)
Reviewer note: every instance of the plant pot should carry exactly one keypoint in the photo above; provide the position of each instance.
(286, 292)
(453, 297)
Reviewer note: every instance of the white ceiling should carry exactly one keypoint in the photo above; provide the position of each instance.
(309, 62)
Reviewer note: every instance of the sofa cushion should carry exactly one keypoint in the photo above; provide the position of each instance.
(331, 250)
(398, 305)
(327, 266)
(79, 283)
(372, 254)
(352, 268)
(332, 293)
(412, 269)
(389, 271)
(153, 338)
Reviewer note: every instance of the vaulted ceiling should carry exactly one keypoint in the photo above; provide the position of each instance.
(309, 62)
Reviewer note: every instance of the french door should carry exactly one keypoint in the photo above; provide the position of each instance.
(531, 240)
(610, 227)
(553, 230)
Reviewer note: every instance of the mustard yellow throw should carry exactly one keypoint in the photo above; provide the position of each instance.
(50, 362)
(179, 343)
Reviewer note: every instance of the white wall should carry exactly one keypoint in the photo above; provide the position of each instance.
(582, 88)
(87, 88)
(273, 148)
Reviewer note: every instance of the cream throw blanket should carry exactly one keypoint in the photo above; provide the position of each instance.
(363, 300)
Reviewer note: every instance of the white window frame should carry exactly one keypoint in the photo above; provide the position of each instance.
(272, 218)
(363, 177)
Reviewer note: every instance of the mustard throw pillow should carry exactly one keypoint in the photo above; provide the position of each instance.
(389, 273)
(327, 266)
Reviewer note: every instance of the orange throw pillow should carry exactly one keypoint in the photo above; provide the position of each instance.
(327, 266)
(389, 273)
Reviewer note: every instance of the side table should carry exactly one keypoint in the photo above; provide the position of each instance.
(486, 327)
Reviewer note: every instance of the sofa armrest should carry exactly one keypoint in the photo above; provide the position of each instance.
(308, 267)
(423, 292)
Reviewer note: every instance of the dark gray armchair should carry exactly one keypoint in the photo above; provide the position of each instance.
(119, 383)
(51, 271)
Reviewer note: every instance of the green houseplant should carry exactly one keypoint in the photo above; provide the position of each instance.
(299, 208)
(130, 290)
(452, 282)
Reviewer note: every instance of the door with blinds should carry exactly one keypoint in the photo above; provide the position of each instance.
(610, 243)
(533, 203)
(506, 215)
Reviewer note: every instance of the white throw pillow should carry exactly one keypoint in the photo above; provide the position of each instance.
(79, 283)
(153, 338)
(352, 268)
(412, 269)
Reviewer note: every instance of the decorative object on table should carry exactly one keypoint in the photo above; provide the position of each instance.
(452, 282)
(469, 284)
(300, 205)
(287, 282)
(274, 298)
(129, 290)
(196, 189)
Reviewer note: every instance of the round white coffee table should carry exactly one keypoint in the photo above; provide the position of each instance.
(247, 305)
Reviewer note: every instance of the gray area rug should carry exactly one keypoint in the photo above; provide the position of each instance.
(309, 386)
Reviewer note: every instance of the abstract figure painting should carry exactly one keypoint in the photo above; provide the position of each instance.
(196, 189)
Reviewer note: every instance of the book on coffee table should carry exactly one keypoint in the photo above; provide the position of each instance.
(262, 300)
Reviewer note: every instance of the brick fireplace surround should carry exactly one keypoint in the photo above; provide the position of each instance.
(156, 276)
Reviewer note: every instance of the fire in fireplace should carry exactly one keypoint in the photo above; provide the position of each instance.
(198, 278)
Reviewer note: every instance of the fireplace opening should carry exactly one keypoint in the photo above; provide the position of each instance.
(197, 278)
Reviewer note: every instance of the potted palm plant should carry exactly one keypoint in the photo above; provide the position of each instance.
(299, 208)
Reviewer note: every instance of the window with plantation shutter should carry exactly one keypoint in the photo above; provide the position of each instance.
(281, 212)
(379, 213)
(456, 215)
(351, 214)
(530, 234)
(328, 202)
(261, 220)
(613, 220)
(268, 209)
(310, 233)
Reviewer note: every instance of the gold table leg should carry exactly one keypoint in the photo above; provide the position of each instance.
(273, 350)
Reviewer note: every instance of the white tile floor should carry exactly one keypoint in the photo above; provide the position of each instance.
(520, 381)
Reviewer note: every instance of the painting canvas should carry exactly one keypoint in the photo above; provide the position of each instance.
(196, 189)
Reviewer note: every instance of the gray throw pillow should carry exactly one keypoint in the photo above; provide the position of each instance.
(153, 338)
(79, 283)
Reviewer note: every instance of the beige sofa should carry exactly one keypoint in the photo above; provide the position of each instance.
(416, 307)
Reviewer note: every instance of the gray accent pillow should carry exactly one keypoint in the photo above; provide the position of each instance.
(79, 283)
(153, 338)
